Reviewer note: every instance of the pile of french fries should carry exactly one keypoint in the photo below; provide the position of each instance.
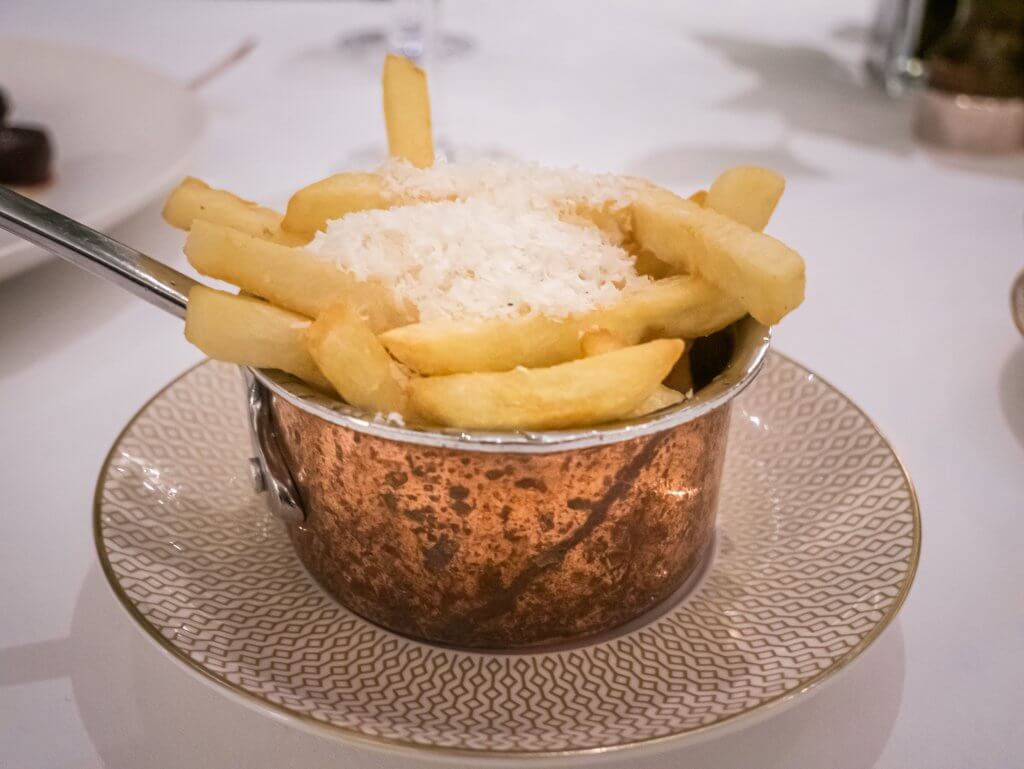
(304, 315)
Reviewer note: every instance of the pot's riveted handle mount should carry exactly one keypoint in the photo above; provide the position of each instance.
(270, 473)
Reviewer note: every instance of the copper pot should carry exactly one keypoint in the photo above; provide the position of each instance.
(504, 540)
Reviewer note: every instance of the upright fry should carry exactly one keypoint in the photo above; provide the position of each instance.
(407, 112)
(747, 194)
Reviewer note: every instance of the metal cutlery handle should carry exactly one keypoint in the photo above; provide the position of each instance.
(168, 289)
(94, 252)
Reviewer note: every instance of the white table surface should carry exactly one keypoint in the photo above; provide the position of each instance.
(910, 257)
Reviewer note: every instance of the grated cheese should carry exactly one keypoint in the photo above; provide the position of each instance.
(391, 418)
(502, 250)
(508, 183)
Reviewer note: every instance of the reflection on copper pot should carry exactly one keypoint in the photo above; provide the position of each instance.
(502, 550)
(506, 549)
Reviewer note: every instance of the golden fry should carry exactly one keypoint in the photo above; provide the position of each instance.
(292, 278)
(653, 267)
(194, 200)
(313, 206)
(458, 346)
(599, 341)
(613, 219)
(763, 274)
(348, 353)
(656, 227)
(678, 306)
(681, 306)
(407, 112)
(581, 392)
(661, 398)
(250, 332)
(747, 194)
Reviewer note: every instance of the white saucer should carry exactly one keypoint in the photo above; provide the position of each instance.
(817, 544)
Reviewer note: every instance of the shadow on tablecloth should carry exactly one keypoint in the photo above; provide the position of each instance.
(815, 93)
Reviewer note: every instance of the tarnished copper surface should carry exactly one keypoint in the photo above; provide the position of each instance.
(502, 550)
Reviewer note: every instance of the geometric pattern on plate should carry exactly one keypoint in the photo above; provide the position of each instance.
(817, 544)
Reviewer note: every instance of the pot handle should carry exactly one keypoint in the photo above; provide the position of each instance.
(270, 473)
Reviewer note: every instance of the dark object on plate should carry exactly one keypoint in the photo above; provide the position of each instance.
(3, 107)
(25, 155)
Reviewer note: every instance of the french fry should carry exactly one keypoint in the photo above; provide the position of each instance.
(599, 341)
(678, 306)
(292, 278)
(700, 197)
(348, 353)
(651, 266)
(194, 200)
(459, 346)
(765, 275)
(656, 227)
(682, 306)
(407, 112)
(661, 398)
(747, 194)
(581, 392)
(250, 332)
(313, 206)
(613, 219)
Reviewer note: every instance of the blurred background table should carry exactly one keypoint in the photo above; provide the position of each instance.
(910, 258)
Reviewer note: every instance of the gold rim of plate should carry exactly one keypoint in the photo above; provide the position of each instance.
(761, 709)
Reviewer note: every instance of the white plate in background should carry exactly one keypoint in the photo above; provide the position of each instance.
(122, 133)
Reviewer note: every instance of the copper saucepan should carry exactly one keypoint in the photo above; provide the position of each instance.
(475, 539)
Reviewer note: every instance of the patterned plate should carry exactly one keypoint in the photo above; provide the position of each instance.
(816, 549)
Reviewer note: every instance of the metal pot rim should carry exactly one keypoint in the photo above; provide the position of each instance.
(751, 346)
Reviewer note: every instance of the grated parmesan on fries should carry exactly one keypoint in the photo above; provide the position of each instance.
(475, 258)
(508, 183)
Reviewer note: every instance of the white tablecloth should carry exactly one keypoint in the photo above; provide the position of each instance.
(910, 257)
